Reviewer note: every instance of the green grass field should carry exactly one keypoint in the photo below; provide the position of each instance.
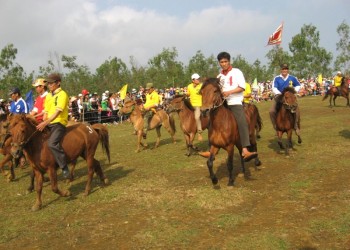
(161, 199)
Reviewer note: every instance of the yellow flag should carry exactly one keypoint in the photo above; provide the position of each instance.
(255, 84)
(122, 92)
(319, 78)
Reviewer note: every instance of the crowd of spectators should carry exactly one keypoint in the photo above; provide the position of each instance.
(103, 108)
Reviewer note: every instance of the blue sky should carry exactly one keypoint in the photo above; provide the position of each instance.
(97, 30)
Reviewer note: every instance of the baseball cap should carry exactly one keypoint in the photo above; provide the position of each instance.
(149, 85)
(195, 76)
(39, 82)
(339, 72)
(284, 66)
(14, 90)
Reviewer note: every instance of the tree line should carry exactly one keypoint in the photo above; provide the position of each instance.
(305, 57)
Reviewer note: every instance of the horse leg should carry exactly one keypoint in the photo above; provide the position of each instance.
(99, 172)
(289, 142)
(139, 141)
(189, 145)
(210, 161)
(230, 165)
(279, 134)
(38, 187)
(334, 97)
(71, 173)
(91, 169)
(53, 180)
(31, 183)
(158, 137)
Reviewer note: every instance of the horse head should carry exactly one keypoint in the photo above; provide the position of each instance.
(22, 128)
(175, 104)
(127, 108)
(211, 94)
(289, 99)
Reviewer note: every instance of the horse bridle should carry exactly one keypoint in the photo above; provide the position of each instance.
(132, 109)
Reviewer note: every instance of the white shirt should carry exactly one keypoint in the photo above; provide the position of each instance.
(233, 79)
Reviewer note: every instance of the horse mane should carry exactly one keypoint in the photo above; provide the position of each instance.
(289, 89)
(3, 117)
(188, 104)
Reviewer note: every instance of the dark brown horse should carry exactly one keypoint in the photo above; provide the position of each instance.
(159, 119)
(80, 140)
(333, 92)
(183, 107)
(223, 129)
(285, 117)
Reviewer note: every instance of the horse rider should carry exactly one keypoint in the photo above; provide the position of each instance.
(337, 81)
(18, 105)
(281, 82)
(196, 101)
(56, 119)
(233, 84)
(150, 106)
(41, 89)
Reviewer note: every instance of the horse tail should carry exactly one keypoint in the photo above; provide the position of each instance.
(172, 123)
(259, 122)
(103, 134)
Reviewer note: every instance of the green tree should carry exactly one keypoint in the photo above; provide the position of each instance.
(309, 59)
(164, 70)
(342, 61)
(11, 73)
(276, 57)
(112, 75)
(205, 67)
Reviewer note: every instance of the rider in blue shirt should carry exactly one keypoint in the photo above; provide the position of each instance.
(18, 105)
(281, 82)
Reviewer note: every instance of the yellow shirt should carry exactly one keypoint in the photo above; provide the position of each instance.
(247, 91)
(193, 93)
(57, 101)
(337, 81)
(151, 99)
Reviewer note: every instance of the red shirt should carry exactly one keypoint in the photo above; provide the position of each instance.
(39, 106)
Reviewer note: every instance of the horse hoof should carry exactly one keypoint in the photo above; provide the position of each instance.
(214, 180)
(67, 193)
(29, 190)
(257, 162)
(299, 141)
(106, 181)
(36, 208)
(230, 184)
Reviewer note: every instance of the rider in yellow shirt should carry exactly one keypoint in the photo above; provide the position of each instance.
(150, 106)
(337, 81)
(247, 94)
(196, 101)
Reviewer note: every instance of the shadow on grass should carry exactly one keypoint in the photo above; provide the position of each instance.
(345, 133)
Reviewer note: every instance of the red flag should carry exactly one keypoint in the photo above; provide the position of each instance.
(276, 37)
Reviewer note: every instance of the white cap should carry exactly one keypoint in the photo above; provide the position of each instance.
(195, 76)
(1, 100)
(80, 95)
(339, 72)
(107, 91)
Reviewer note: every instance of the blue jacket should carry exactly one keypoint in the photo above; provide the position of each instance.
(279, 83)
(19, 107)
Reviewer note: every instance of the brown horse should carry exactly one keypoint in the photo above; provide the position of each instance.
(223, 129)
(184, 109)
(333, 92)
(5, 150)
(285, 117)
(159, 118)
(80, 140)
